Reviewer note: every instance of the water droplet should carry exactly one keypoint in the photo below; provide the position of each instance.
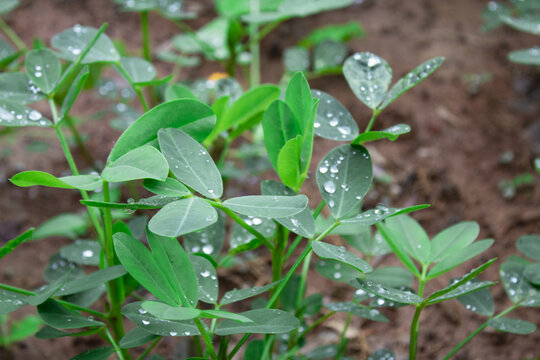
(205, 273)
(145, 322)
(173, 333)
(323, 169)
(330, 187)
(337, 275)
(207, 249)
(34, 115)
(142, 311)
(257, 221)
(514, 280)
(334, 122)
(87, 253)
(38, 74)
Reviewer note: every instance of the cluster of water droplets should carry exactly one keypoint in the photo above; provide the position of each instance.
(333, 121)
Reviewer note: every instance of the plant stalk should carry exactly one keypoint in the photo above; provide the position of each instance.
(147, 54)
(149, 348)
(415, 325)
(119, 352)
(254, 47)
(12, 35)
(207, 340)
(372, 120)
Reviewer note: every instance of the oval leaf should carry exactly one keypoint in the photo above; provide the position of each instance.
(72, 42)
(344, 176)
(33, 178)
(16, 115)
(43, 68)
(144, 162)
(138, 70)
(59, 317)
(169, 187)
(391, 133)
(206, 279)
(333, 120)
(339, 253)
(267, 206)
(264, 321)
(17, 87)
(514, 326)
(400, 296)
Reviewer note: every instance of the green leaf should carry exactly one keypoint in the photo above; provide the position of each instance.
(408, 233)
(48, 332)
(296, 59)
(208, 240)
(265, 321)
(72, 42)
(182, 217)
(289, 167)
(480, 301)
(13, 243)
(513, 326)
(279, 126)
(170, 187)
(391, 276)
(58, 267)
(140, 264)
(144, 162)
(34, 178)
(452, 239)
(11, 301)
(411, 79)
(333, 120)
(296, 8)
(190, 162)
(242, 240)
(464, 289)
(518, 289)
(16, 115)
(328, 55)
(357, 310)
(267, 206)
(493, 13)
(90, 281)
(381, 212)
(369, 77)
(206, 279)
(8, 54)
(59, 317)
(532, 273)
(220, 314)
(83, 252)
(154, 202)
(135, 338)
(400, 296)
(391, 133)
(101, 353)
(74, 90)
(459, 257)
(8, 5)
(529, 245)
(46, 291)
(344, 176)
(242, 294)
(153, 325)
(525, 24)
(526, 56)
(176, 265)
(301, 223)
(298, 97)
(17, 87)
(178, 91)
(254, 349)
(364, 242)
(250, 105)
(23, 329)
(336, 270)
(382, 354)
(69, 225)
(338, 32)
(339, 253)
(464, 280)
(138, 70)
(43, 68)
(165, 312)
(192, 116)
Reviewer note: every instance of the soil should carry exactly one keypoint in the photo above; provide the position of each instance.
(451, 159)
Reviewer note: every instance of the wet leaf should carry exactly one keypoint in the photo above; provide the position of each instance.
(34, 178)
(18, 88)
(242, 294)
(411, 236)
(11, 301)
(411, 79)
(145, 162)
(373, 216)
(8, 5)
(333, 120)
(208, 240)
(358, 310)
(529, 56)
(466, 288)
(15, 115)
(190, 162)
(165, 312)
(514, 326)
(369, 77)
(525, 24)
(90, 281)
(338, 32)
(382, 354)
(400, 296)
(192, 116)
(344, 176)
(13, 243)
(452, 239)
(391, 133)
(74, 91)
(296, 59)
(170, 187)
(59, 317)
(329, 55)
(339, 253)
(101, 353)
(517, 287)
(391, 276)
(242, 240)
(337, 271)
(182, 217)
(529, 245)
(532, 273)
(138, 70)
(206, 279)
(135, 338)
(72, 42)
(43, 68)
(480, 301)
(142, 319)
(459, 257)
(70, 225)
(267, 206)
(264, 321)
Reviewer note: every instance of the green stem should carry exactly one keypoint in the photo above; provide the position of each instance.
(188, 30)
(12, 35)
(242, 223)
(238, 346)
(65, 303)
(268, 344)
(415, 325)
(313, 326)
(343, 339)
(145, 36)
(299, 238)
(303, 280)
(73, 167)
(135, 87)
(149, 348)
(80, 143)
(115, 286)
(4, 332)
(478, 330)
(223, 155)
(372, 120)
(254, 47)
(209, 347)
(277, 253)
(119, 352)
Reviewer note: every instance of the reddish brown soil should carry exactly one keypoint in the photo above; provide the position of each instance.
(450, 159)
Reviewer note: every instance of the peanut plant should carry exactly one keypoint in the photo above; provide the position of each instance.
(161, 273)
